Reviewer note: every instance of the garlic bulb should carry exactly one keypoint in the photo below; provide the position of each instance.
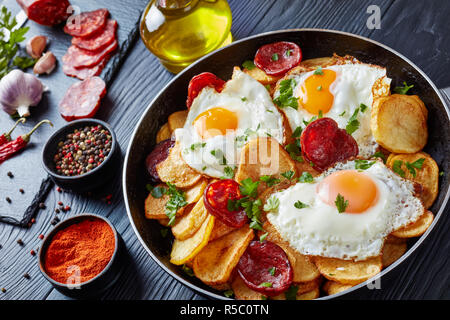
(36, 45)
(45, 64)
(19, 91)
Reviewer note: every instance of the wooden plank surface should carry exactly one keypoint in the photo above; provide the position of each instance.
(405, 26)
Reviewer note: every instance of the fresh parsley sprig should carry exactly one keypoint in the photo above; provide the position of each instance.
(341, 203)
(404, 89)
(286, 97)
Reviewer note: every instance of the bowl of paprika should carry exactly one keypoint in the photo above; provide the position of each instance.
(81, 256)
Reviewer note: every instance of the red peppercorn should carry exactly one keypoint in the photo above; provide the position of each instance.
(67, 208)
(33, 253)
(41, 236)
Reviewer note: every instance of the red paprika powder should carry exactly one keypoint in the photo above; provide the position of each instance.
(86, 246)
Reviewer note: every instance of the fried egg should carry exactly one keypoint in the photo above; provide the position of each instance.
(376, 201)
(338, 92)
(219, 124)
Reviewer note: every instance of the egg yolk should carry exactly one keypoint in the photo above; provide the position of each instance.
(315, 95)
(214, 122)
(357, 188)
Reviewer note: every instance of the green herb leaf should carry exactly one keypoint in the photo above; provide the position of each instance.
(249, 65)
(415, 165)
(249, 188)
(294, 150)
(272, 204)
(229, 173)
(318, 71)
(306, 123)
(341, 203)
(342, 114)
(306, 177)
(288, 53)
(363, 164)
(297, 132)
(397, 168)
(291, 293)
(158, 192)
(288, 174)
(149, 187)
(363, 107)
(269, 180)
(220, 156)
(228, 293)
(353, 123)
(286, 97)
(300, 205)
(275, 57)
(197, 145)
(266, 284)
(272, 271)
(263, 237)
(319, 88)
(187, 270)
(380, 155)
(404, 89)
(176, 201)
(243, 99)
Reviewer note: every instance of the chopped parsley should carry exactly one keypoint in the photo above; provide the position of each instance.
(176, 201)
(228, 293)
(297, 132)
(363, 164)
(291, 293)
(263, 297)
(288, 174)
(275, 57)
(286, 97)
(269, 180)
(441, 174)
(249, 187)
(341, 203)
(187, 270)
(415, 165)
(380, 155)
(310, 120)
(353, 123)
(272, 271)
(319, 88)
(158, 192)
(288, 53)
(243, 99)
(320, 116)
(362, 107)
(300, 205)
(404, 89)
(263, 237)
(220, 156)
(251, 205)
(342, 114)
(294, 150)
(306, 177)
(266, 284)
(228, 173)
(272, 204)
(318, 71)
(197, 145)
(397, 168)
(248, 64)
(267, 86)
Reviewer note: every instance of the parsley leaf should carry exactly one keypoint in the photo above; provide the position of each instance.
(341, 203)
(363, 107)
(286, 97)
(249, 188)
(300, 205)
(272, 271)
(266, 284)
(380, 155)
(288, 53)
(297, 132)
(263, 237)
(158, 192)
(397, 168)
(197, 145)
(318, 71)
(353, 123)
(269, 180)
(415, 165)
(294, 150)
(306, 177)
(228, 293)
(310, 120)
(220, 156)
(248, 64)
(272, 204)
(291, 293)
(176, 201)
(363, 164)
(228, 173)
(275, 57)
(187, 270)
(288, 174)
(404, 89)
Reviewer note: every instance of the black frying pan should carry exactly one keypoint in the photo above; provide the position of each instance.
(314, 43)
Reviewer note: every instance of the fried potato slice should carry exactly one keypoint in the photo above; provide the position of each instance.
(303, 290)
(318, 62)
(427, 176)
(176, 171)
(260, 76)
(163, 133)
(417, 228)
(348, 271)
(306, 167)
(220, 230)
(264, 156)
(392, 239)
(399, 123)
(332, 287)
(176, 120)
(311, 295)
(214, 264)
(392, 252)
(242, 292)
(189, 223)
(185, 250)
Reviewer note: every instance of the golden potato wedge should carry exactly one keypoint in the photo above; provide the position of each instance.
(392, 239)
(220, 230)
(427, 176)
(242, 292)
(304, 269)
(214, 264)
(311, 295)
(306, 167)
(415, 229)
(392, 252)
(332, 287)
(185, 250)
(163, 133)
(318, 62)
(176, 120)
(302, 289)
(264, 156)
(262, 77)
(348, 271)
(176, 171)
(381, 88)
(399, 123)
(189, 223)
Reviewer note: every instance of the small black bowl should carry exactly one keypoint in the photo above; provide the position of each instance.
(101, 282)
(88, 181)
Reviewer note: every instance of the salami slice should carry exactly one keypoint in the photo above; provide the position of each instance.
(79, 58)
(82, 99)
(46, 12)
(84, 73)
(159, 154)
(265, 267)
(220, 200)
(86, 24)
(200, 81)
(99, 41)
(277, 58)
(324, 144)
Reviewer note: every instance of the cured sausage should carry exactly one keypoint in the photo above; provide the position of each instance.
(79, 58)
(324, 144)
(265, 267)
(159, 154)
(46, 12)
(220, 200)
(84, 73)
(200, 81)
(86, 24)
(82, 99)
(99, 41)
(277, 58)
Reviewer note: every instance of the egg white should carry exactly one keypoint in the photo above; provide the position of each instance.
(352, 86)
(321, 230)
(257, 116)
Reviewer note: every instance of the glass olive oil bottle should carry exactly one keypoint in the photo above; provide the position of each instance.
(179, 32)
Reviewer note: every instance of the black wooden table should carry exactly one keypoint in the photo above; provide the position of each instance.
(417, 29)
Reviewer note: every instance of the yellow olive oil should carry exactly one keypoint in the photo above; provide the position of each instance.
(179, 32)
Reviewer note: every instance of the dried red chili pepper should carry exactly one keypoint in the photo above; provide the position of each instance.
(11, 148)
(6, 137)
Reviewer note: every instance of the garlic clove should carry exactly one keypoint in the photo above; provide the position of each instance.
(36, 46)
(45, 64)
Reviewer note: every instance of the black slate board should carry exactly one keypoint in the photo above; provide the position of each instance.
(31, 176)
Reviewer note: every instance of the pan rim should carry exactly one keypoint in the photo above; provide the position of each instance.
(150, 105)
